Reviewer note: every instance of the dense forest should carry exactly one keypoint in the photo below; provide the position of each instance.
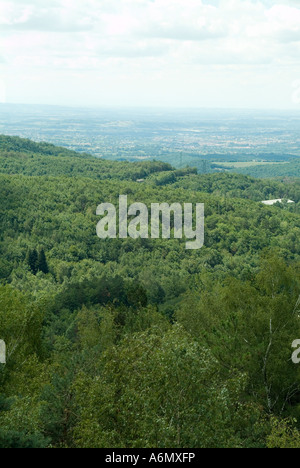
(288, 169)
(262, 166)
(141, 343)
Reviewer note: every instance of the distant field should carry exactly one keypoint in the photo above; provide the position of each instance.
(245, 164)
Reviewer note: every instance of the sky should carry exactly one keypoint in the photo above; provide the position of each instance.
(151, 53)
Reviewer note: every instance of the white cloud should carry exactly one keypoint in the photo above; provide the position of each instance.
(131, 43)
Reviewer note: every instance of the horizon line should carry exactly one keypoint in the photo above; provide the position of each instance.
(151, 108)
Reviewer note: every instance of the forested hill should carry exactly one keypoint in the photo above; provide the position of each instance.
(24, 146)
(289, 169)
(141, 343)
(19, 156)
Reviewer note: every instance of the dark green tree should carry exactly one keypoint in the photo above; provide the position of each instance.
(42, 264)
(32, 260)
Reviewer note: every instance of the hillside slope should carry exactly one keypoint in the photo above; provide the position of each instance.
(290, 169)
(140, 342)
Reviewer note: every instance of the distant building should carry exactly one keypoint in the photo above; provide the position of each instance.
(273, 202)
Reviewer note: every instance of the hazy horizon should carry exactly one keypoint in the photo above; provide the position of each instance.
(111, 107)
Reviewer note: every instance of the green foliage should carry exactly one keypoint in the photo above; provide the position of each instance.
(19, 156)
(284, 434)
(32, 261)
(227, 185)
(157, 390)
(13, 439)
(42, 264)
(290, 169)
(20, 325)
(141, 343)
(250, 326)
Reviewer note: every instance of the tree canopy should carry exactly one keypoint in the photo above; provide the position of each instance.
(141, 343)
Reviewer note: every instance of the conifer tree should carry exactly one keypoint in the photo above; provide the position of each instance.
(32, 260)
(42, 264)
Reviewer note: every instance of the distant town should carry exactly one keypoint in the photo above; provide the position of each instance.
(247, 142)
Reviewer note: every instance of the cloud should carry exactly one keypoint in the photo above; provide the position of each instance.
(150, 40)
(49, 21)
(195, 21)
(60, 16)
(133, 49)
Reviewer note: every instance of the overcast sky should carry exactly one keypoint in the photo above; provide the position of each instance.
(174, 53)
